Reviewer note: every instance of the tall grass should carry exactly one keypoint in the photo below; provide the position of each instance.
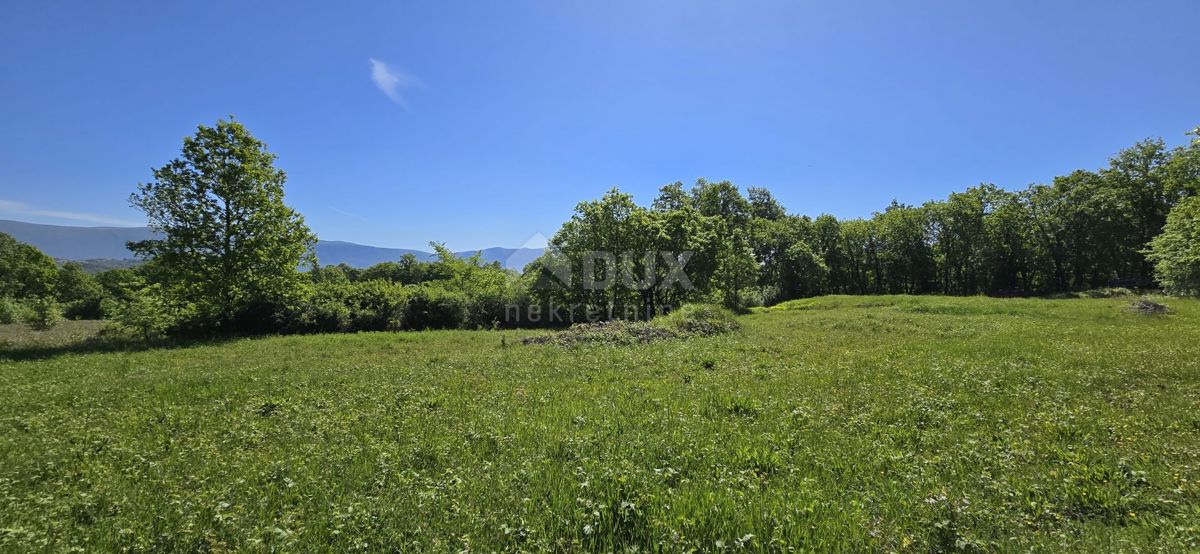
(884, 423)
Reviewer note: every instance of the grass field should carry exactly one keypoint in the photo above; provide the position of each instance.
(66, 333)
(866, 423)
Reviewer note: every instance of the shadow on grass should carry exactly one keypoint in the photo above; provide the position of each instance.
(34, 351)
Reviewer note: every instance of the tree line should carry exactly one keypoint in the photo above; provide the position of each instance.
(1130, 224)
(234, 257)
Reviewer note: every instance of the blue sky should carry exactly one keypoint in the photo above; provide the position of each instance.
(484, 123)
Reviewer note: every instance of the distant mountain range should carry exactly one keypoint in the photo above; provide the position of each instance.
(105, 246)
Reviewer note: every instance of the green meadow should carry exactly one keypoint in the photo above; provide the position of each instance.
(881, 423)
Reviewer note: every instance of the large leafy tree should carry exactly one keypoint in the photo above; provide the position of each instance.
(684, 232)
(736, 267)
(1006, 250)
(1085, 229)
(723, 200)
(763, 204)
(24, 270)
(859, 243)
(905, 253)
(1176, 252)
(826, 231)
(1182, 171)
(230, 246)
(602, 241)
(1138, 174)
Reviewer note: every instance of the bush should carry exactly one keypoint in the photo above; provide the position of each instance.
(386, 306)
(325, 316)
(756, 297)
(80, 293)
(84, 308)
(10, 310)
(699, 319)
(43, 314)
(146, 315)
(435, 308)
(689, 320)
(488, 309)
(362, 306)
(1176, 252)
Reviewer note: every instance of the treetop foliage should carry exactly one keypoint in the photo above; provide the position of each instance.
(229, 242)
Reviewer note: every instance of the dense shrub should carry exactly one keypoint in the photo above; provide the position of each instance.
(689, 320)
(699, 319)
(80, 294)
(25, 272)
(147, 314)
(84, 308)
(258, 316)
(435, 308)
(120, 284)
(383, 305)
(325, 315)
(10, 310)
(1176, 252)
(362, 306)
(43, 314)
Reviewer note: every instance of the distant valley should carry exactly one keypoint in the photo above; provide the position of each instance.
(98, 248)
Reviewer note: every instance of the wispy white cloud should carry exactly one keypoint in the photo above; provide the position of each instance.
(347, 214)
(392, 81)
(21, 209)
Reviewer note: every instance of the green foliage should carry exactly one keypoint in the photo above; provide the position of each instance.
(230, 245)
(148, 314)
(120, 284)
(1176, 252)
(93, 266)
(474, 292)
(330, 274)
(432, 307)
(363, 306)
(42, 314)
(687, 321)
(407, 271)
(26, 271)
(1085, 230)
(232, 249)
(10, 310)
(763, 204)
(699, 319)
(803, 273)
(80, 293)
(613, 253)
(328, 315)
(736, 269)
(905, 256)
(450, 292)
